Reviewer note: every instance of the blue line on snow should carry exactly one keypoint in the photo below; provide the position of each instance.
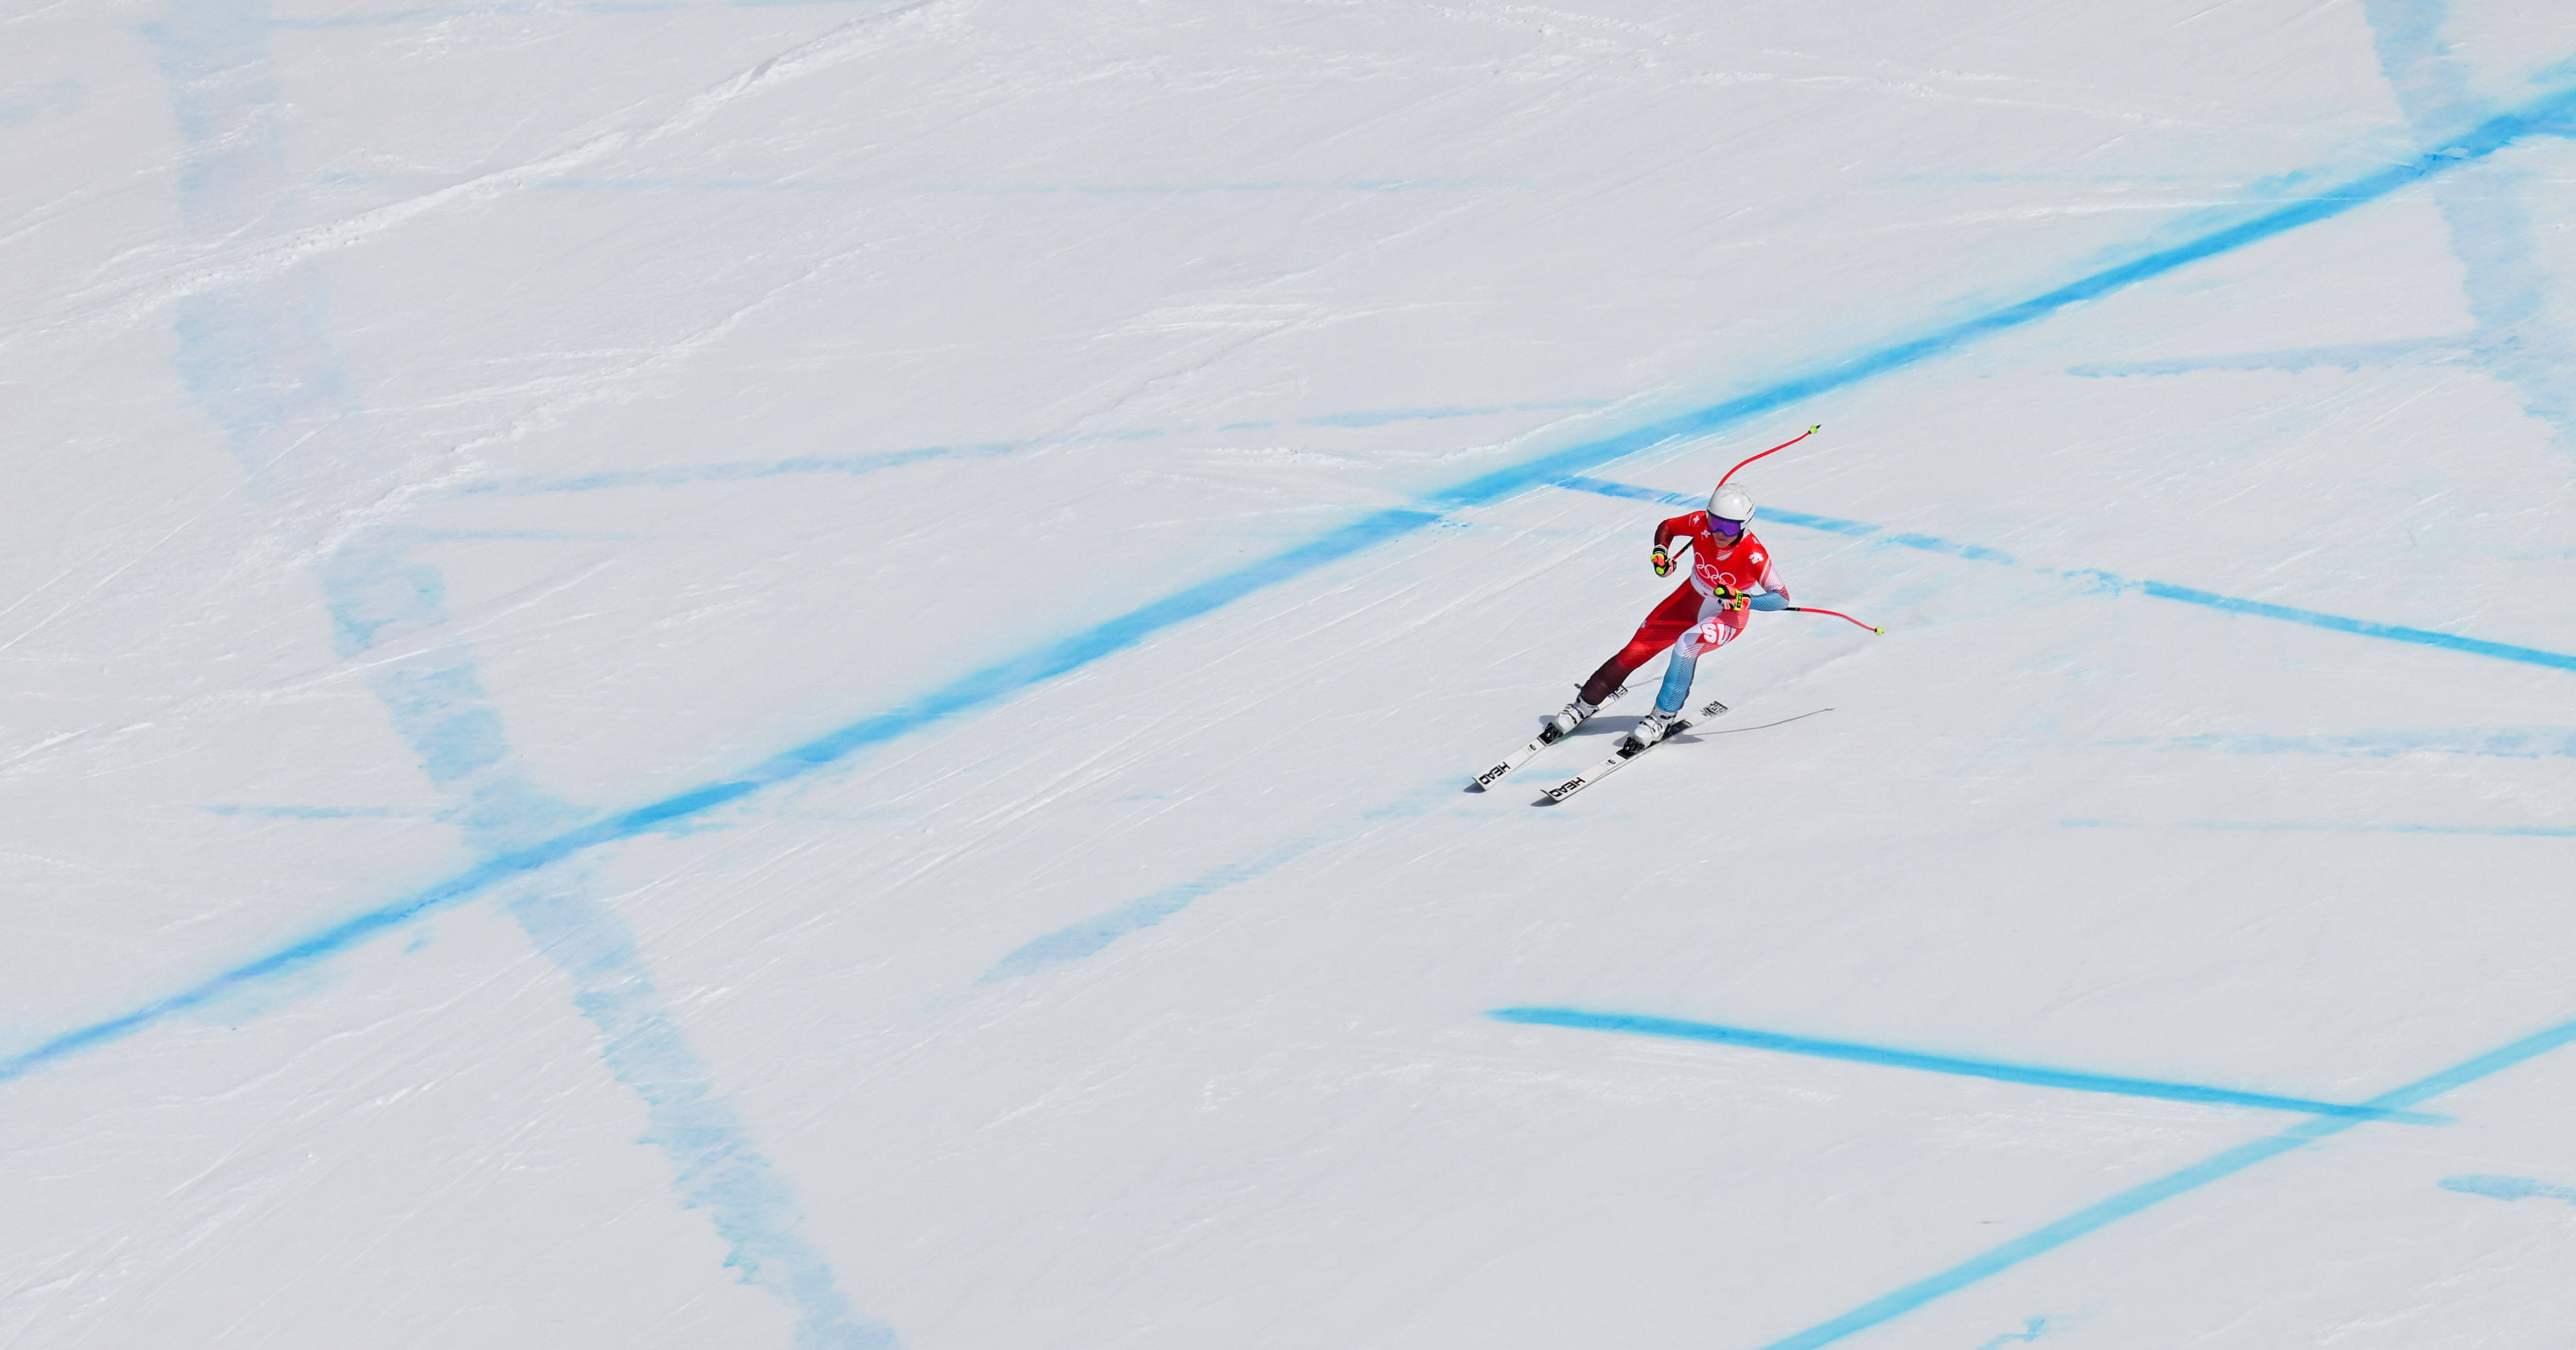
(435, 700)
(2546, 116)
(2553, 115)
(2501, 742)
(2091, 1218)
(2031, 1074)
(2338, 623)
(254, 357)
(1971, 552)
(1631, 491)
(2351, 356)
(1770, 514)
(1604, 487)
(2504, 280)
(1829, 524)
(966, 694)
(2508, 1188)
(2333, 827)
(1088, 937)
(2161, 590)
(2032, 1328)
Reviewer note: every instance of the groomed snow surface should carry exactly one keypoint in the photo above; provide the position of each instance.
(698, 674)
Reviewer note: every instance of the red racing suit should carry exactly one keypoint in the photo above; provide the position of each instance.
(1705, 612)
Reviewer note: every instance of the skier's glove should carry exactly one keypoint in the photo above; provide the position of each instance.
(1663, 562)
(1731, 597)
(1769, 600)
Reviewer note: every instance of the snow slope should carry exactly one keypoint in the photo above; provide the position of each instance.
(763, 674)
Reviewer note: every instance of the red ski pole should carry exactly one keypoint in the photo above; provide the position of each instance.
(1809, 609)
(1777, 449)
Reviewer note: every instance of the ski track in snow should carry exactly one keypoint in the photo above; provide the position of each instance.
(246, 328)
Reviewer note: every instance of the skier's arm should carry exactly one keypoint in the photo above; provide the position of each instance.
(1663, 557)
(1774, 595)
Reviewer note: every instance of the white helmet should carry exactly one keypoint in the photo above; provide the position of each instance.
(1730, 503)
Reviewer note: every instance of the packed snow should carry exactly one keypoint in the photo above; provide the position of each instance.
(696, 674)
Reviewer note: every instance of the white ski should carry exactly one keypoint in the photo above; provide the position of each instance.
(1516, 759)
(1627, 751)
(1546, 737)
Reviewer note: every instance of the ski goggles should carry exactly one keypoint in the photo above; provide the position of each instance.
(1730, 528)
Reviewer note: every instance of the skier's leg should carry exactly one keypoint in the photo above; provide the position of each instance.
(1677, 682)
(1668, 702)
(1717, 626)
(1670, 620)
(1604, 681)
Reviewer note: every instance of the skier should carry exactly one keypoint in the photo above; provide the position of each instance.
(1730, 572)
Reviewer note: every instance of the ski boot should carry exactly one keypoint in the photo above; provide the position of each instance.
(1650, 728)
(1562, 725)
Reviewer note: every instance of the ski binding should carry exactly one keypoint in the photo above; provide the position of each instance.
(1628, 750)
